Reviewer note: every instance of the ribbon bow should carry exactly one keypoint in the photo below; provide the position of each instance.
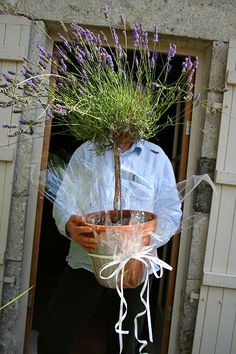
(145, 256)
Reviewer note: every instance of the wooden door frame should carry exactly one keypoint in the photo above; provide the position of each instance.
(175, 241)
(185, 48)
(37, 235)
(36, 242)
(183, 244)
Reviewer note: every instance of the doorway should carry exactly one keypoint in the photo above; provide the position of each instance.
(50, 260)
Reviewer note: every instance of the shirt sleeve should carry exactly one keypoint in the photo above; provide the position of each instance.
(168, 205)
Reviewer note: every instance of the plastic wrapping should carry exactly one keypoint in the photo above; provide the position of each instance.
(118, 243)
(149, 220)
(127, 240)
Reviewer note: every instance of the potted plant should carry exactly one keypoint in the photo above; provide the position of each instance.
(102, 96)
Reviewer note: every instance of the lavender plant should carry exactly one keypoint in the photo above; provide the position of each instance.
(98, 94)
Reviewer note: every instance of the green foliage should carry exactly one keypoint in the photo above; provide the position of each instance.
(99, 94)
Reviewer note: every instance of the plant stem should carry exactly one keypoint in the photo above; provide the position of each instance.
(117, 196)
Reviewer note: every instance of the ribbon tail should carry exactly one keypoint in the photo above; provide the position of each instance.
(149, 315)
(142, 313)
(122, 314)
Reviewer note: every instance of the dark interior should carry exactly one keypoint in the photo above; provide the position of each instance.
(54, 247)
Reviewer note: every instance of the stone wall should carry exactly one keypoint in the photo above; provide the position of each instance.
(19, 246)
(202, 198)
(210, 20)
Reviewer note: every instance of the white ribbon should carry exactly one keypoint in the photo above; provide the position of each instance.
(144, 255)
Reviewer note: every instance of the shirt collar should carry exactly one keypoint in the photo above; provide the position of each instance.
(136, 147)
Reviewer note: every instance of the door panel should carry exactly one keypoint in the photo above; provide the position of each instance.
(215, 325)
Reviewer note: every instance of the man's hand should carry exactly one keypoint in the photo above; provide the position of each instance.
(80, 233)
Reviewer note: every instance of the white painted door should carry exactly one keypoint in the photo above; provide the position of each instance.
(215, 331)
(14, 38)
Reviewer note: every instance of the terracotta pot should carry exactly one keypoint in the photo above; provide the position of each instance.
(124, 237)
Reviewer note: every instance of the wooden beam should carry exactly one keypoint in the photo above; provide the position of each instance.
(12, 54)
(6, 154)
(225, 177)
(219, 280)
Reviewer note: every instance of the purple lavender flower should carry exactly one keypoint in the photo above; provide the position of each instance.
(155, 35)
(121, 52)
(108, 58)
(78, 49)
(197, 99)
(65, 43)
(49, 114)
(196, 62)
(145, 40)
(59, 85)
(42, 65)
(187, 64)
(84, 77)
(57, 107)
(25, 74)
(87, 54)
(115, 37)
(155, 55)
(9, 126)
(60, 109)
(122, 19)
(190, 87)
(79, 58)
(63, 51)
(75, 27)
(57, 54)
(89, 36)
(136, 36)
(23, 121)
(7, 78)
(169, 67)
(153, 61)
(99, 42)
(171, 52)
(110, 61)
(42, 51)
(31, 83)
(63, 67)
(105, 38)
(105, 11)
(85, 35)
(190, 77)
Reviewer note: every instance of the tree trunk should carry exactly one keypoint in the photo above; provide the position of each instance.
(117, 196)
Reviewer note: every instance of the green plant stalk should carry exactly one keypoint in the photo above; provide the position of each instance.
(118, 191)
(16, 298)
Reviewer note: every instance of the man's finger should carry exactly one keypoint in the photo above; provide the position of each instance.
(84, 229)
(87, 240)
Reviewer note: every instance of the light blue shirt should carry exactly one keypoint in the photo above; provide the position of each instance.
(148, 184)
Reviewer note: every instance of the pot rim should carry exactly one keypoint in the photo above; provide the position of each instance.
(144, 225)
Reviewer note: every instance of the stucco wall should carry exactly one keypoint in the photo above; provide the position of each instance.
(207, 20)
(211, 20)
(21, 230)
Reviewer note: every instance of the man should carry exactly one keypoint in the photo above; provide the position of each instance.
(80, 302)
